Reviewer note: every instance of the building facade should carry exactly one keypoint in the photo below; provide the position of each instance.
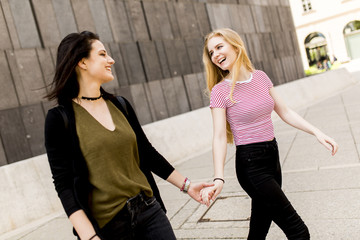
(327, 29)
(157, 46)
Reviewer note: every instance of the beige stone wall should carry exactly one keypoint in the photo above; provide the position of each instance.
(157, 46)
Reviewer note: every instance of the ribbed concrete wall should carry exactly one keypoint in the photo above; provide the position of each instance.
(157, 47)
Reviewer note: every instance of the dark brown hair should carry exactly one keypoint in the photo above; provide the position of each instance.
(71, 50)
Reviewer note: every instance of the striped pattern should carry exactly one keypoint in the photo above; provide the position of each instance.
(250, 116)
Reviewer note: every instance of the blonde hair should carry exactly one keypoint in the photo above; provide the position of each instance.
(214, 74)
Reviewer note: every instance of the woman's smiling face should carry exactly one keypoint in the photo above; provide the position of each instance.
(222, 54)
(99, 62)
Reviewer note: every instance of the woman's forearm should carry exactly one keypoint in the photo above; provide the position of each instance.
(219, 155)
(295, 120)
(219, 143)
(82, 225)
(176, 179)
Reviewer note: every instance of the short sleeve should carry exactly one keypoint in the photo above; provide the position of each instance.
(266, 80)
(217, 98)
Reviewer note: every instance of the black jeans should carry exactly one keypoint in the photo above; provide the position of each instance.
(142, 218)
(259, 173)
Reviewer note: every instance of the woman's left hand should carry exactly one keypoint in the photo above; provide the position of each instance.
(195, 188)
(328, 142)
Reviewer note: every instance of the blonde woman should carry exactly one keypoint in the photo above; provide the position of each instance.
(242, 100)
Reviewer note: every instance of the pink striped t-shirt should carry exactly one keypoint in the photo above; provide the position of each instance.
(250, 116)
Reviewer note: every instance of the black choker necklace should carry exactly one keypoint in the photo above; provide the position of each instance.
(92, 98)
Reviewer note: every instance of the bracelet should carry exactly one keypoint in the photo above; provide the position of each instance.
(219, 179)
(93, 236)
(187, 185)
(183, 186)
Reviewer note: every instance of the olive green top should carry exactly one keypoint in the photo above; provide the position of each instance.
(113, 162)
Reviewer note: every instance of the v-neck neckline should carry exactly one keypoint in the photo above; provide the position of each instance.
(87, 112)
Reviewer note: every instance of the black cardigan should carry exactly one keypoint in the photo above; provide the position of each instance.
(68, 165)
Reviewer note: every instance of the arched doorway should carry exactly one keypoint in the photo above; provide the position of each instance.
(316, 48)
(352, 39)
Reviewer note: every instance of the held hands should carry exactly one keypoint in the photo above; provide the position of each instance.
(328, 142)
(195, 190)
(210, 193)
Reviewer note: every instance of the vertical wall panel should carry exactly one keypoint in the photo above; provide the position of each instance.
(141, 104)
(8, 98)
(287, 23)
(132, 62)
(3, 160)
(235, 19)
(193, 90)
(156, 15)
(10, 23)
(203, 88)
(219, 15)
(288, 43)
(24, 23)
(150, 60)
(175, 96)
(46, 20)
(277, 40)
(275, 23)
(156, 100)
(164, 64)
(275, 71)
(289, 64)
(173, 21)
(119, 65)
(299, 66)
(34, 120)
(255, 47)
(172, 57)
(267, 46)
(295, 42)
(188, 25)
(183, 56)
(30, 85)
(15, 73)
(65, 17)
(102, 25)
(261, 19)
(5, 42)
(83, 15)
(47, 65)
(246, 18)
(118, 19)
(284, 3)
(194, 48)
(202, 18)
(137, 20)
(112, 85)
(13, 135)
(274, 2)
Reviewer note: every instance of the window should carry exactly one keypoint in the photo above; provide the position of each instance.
(306, 5)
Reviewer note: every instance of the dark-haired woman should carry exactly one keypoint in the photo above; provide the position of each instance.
(100, 158)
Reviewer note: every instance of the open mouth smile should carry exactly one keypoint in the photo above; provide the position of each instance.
(221, 60)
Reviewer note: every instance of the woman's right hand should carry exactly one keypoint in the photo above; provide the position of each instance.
(210, 193)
